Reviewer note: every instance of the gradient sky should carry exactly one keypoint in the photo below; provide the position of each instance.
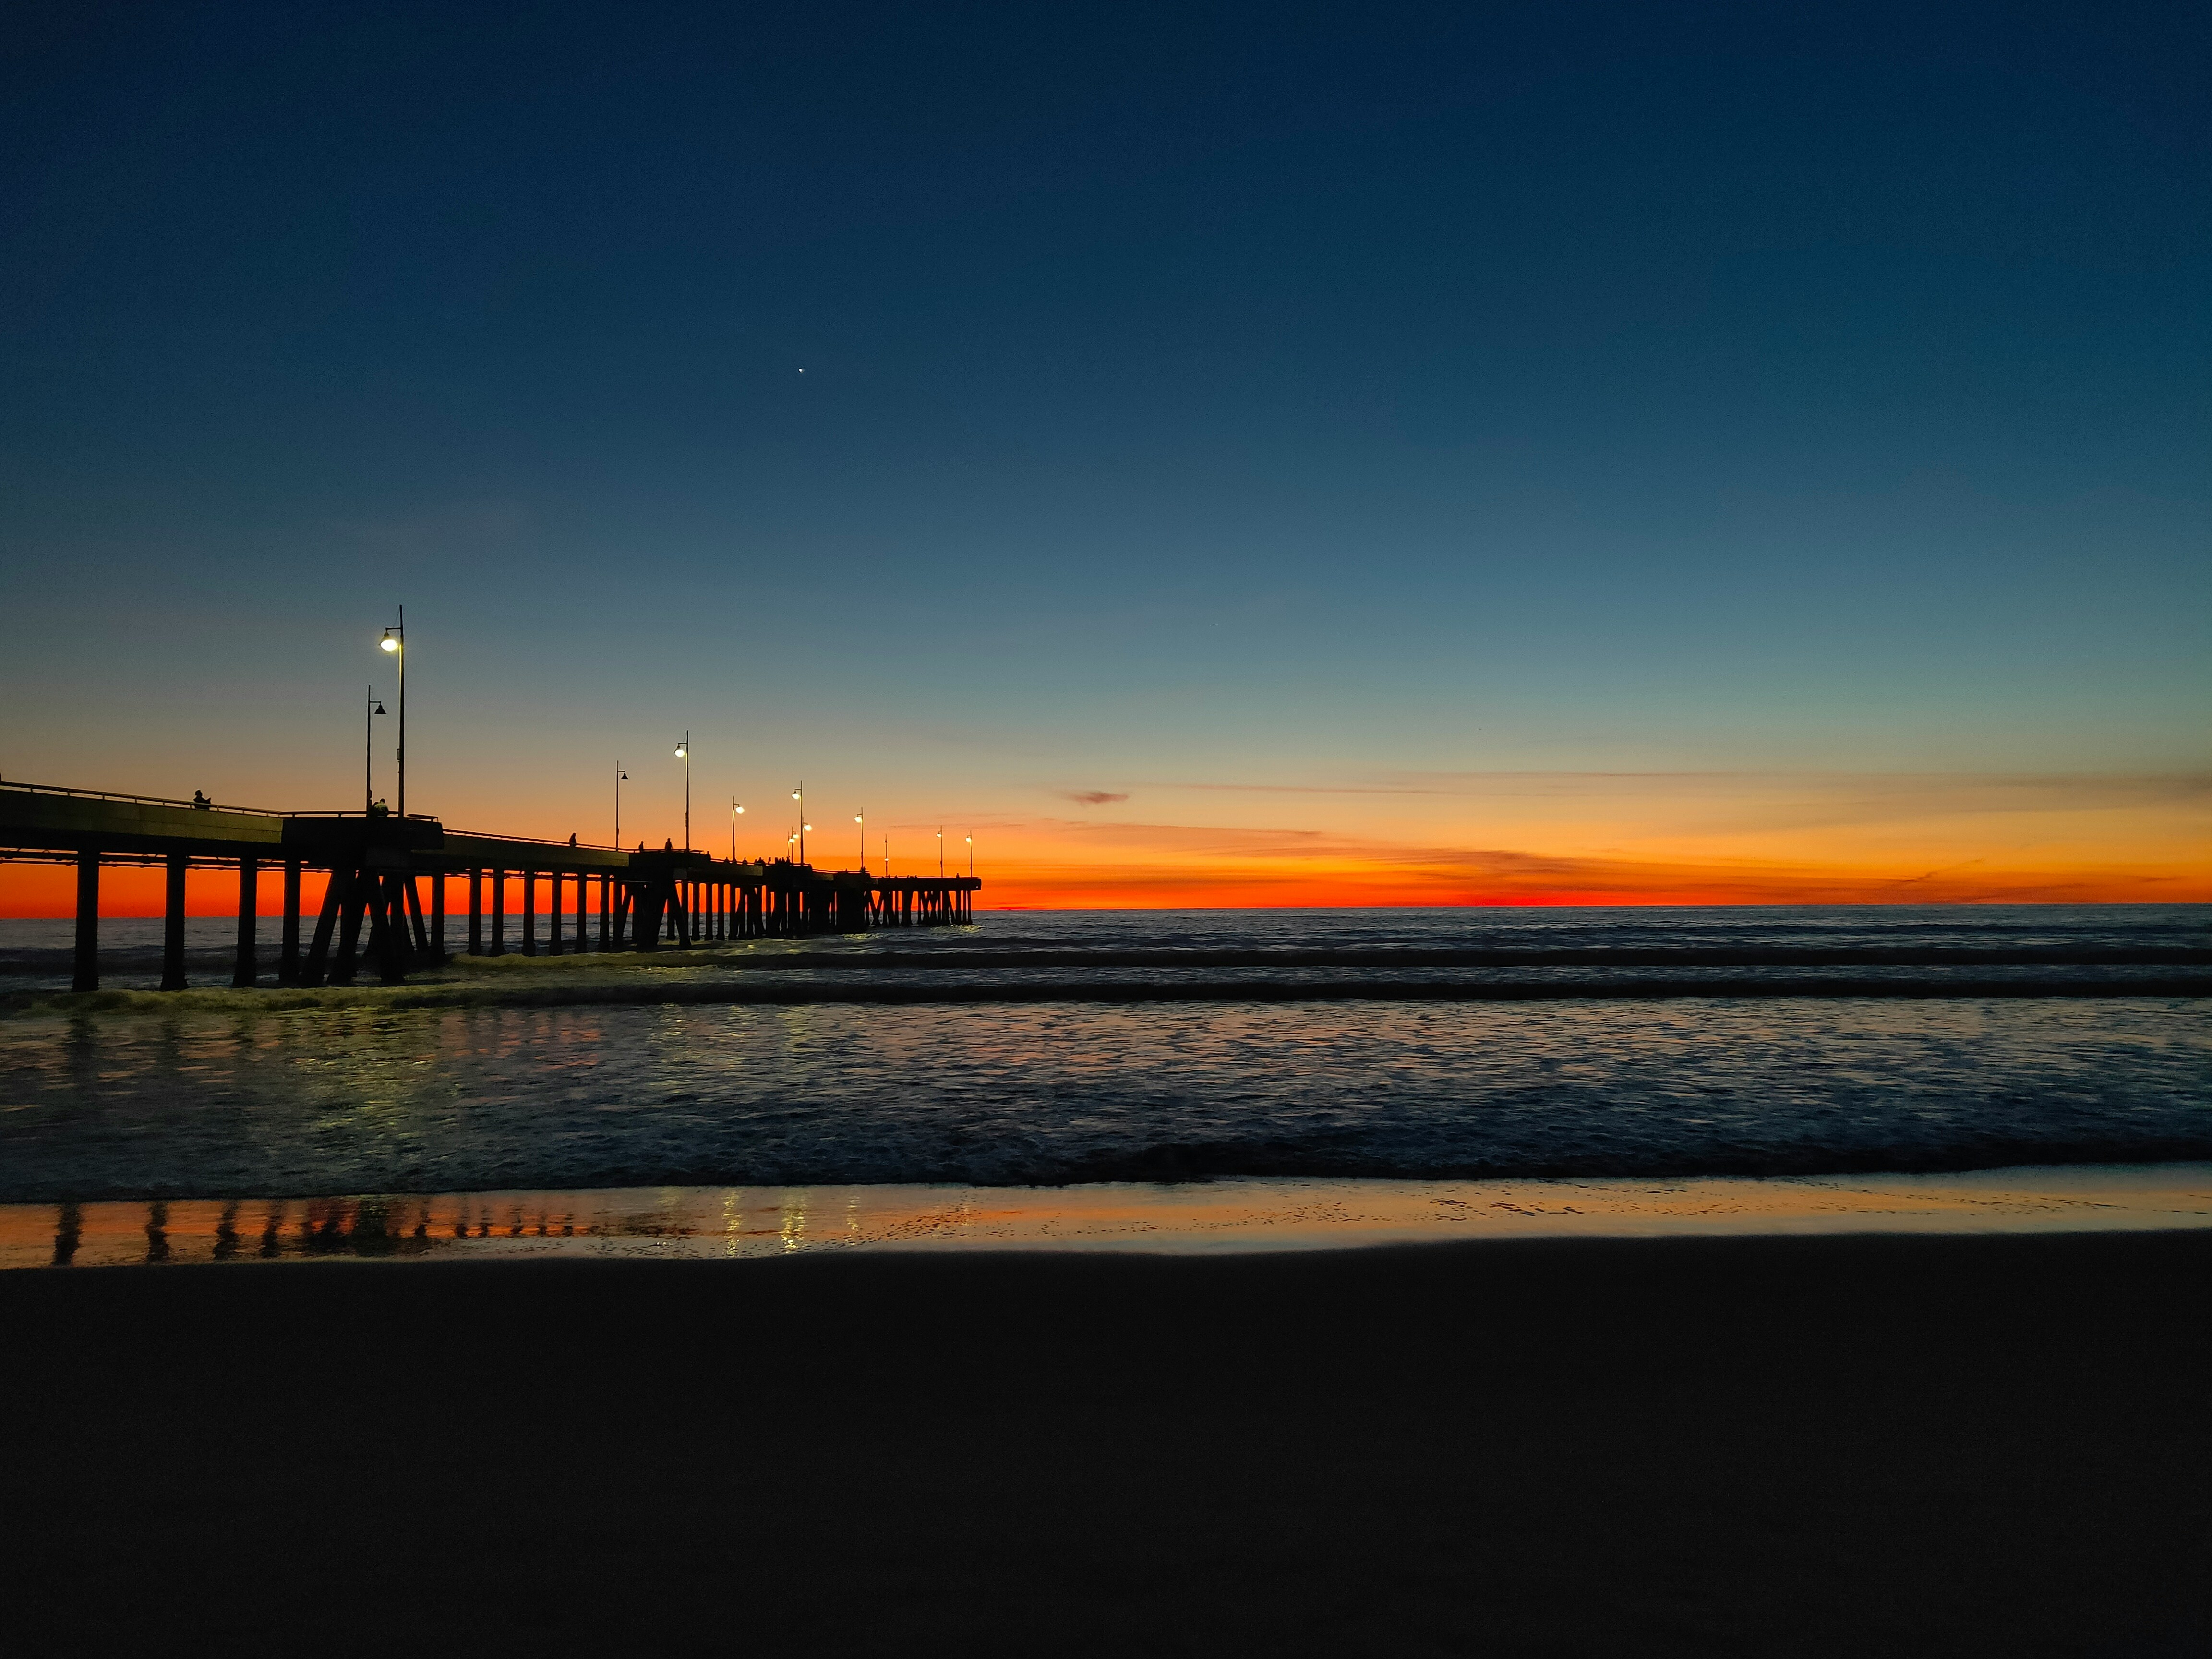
(1242, 454)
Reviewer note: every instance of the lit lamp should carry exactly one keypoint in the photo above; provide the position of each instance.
(684, 753)
(736, 812)
(394, 644)
(861, 818)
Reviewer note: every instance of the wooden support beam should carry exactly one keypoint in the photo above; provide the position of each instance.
(499, 913)
(437, 917)
(420, 933)
(395, 945)
(173, 924)
(350, 916)
(530, 913)
(288, 944)
(316, 966)
(244, 970)
(86, 975)
(476, 912)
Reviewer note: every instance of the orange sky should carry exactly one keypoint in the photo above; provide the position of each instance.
(1505, 838)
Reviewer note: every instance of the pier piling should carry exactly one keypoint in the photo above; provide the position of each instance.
(86, 975)
(172, 922)
(245, 969)
(288, 947)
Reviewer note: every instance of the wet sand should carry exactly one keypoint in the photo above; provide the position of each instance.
(1815, 1445)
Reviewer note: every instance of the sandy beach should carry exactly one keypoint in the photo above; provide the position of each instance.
(1827, 1445)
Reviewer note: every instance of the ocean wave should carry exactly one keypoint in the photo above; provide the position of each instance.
(693, 994)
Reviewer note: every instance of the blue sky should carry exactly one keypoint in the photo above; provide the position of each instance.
(1188, 394)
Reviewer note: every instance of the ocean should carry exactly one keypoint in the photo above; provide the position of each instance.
(1037, 1049)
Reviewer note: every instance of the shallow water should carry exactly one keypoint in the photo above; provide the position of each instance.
(226, 1095)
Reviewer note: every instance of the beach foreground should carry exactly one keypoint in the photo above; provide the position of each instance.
(1835, 1445)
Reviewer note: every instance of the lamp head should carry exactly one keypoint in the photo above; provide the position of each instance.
(740, 811)
(379, 709)
(679, 751)
(388, 643)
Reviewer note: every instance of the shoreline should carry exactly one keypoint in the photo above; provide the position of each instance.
(1232, 1216)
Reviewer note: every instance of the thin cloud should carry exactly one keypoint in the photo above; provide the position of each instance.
(1090, 797)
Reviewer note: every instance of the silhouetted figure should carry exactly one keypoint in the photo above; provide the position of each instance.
(572, 838)
(201, 803)
(378, 809)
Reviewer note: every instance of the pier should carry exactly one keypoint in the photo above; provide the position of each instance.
(373, 917)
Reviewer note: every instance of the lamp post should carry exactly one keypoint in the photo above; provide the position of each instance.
(736, 812)
(800, 795)
(370, 711)
(395, 642)
(861, 818)
(941, 852)
(684, 753)
(619, 776)
(971, 858)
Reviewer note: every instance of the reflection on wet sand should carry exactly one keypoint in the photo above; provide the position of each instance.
(1196, 1218)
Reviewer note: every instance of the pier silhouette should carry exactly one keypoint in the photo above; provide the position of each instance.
(373, 917)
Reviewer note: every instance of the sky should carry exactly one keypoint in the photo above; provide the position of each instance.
(1213, 454)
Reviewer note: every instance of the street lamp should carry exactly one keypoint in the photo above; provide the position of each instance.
(941, 852)
(620, 776)
(800, 795)
(394, 643)
(368, 714)
(736, 812)
(684, 753)
(971, 858)
(861, 818)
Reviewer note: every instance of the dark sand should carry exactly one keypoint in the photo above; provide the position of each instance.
(1700, 1446)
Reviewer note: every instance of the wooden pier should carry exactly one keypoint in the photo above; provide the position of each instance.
(373, 917)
